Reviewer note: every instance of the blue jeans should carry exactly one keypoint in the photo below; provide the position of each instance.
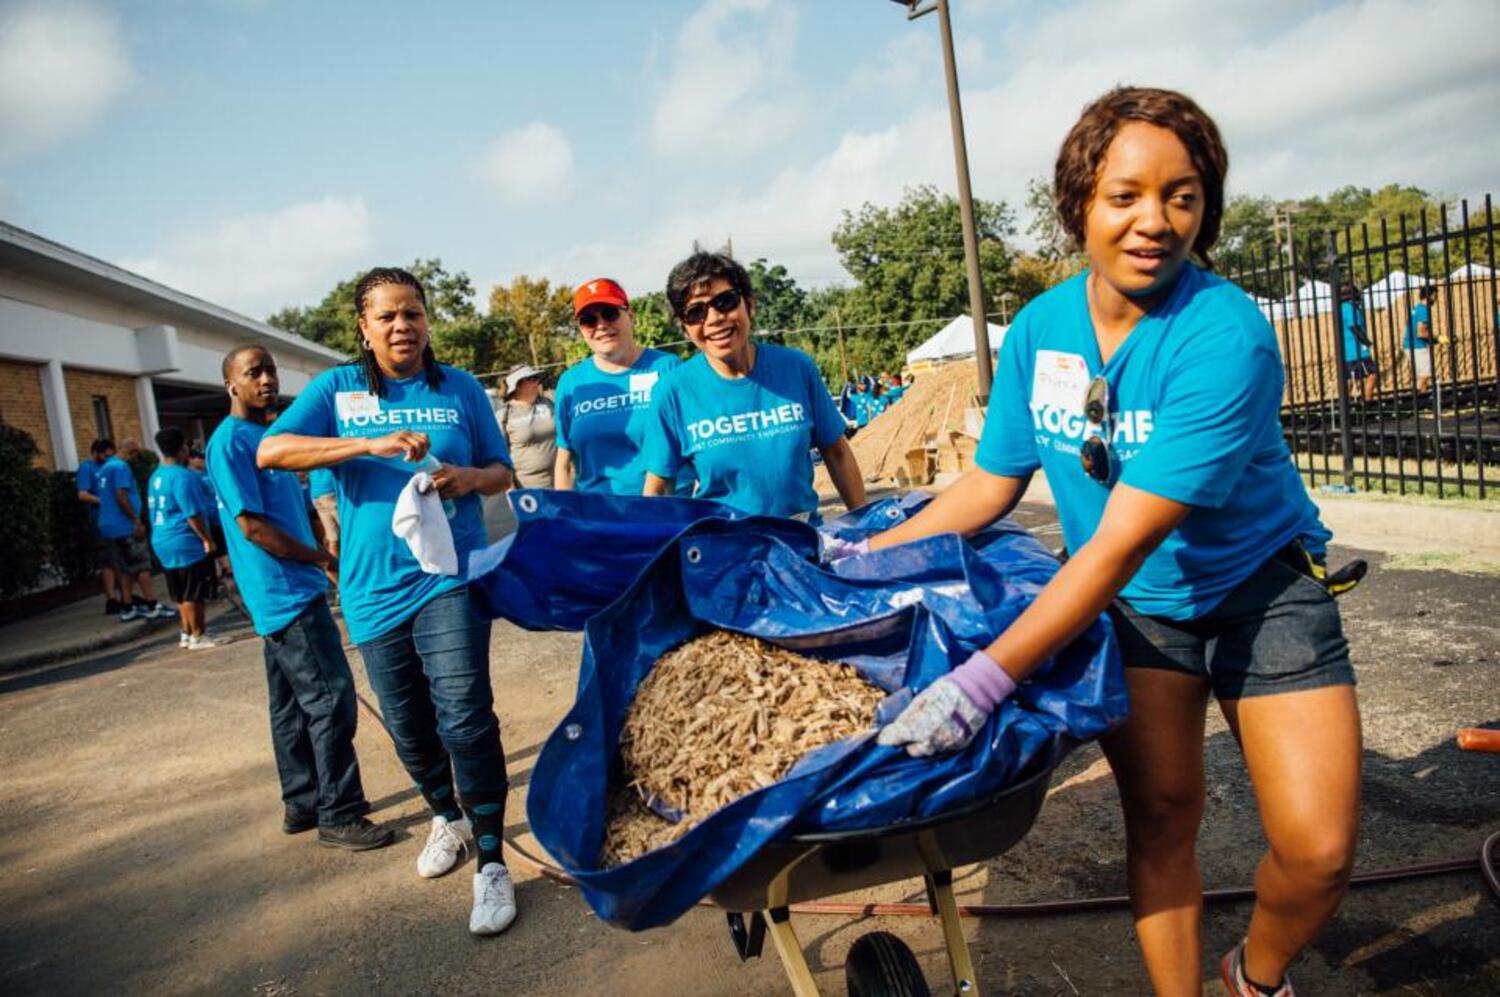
(432, 675)
(313, 717)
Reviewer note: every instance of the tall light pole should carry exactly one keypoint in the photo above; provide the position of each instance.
(965, 196)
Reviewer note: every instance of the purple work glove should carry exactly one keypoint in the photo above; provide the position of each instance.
(948, 714)
(834, 549)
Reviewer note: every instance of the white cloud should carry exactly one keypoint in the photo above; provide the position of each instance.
(61, 64)
(530, 165)
(1309, 99)
(257, 263)
(732, 90)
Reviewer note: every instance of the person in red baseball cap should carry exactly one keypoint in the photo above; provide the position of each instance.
(604, 401)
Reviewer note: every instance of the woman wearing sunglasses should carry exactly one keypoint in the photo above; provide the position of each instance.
(745, 415)
(1148, 391)
(604, 401)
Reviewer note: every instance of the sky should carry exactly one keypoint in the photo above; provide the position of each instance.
(255, 152)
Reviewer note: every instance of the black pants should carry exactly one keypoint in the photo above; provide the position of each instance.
(313, 717)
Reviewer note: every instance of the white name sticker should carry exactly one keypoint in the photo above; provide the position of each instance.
(350, 404)
(1060, 380)
(643, 382)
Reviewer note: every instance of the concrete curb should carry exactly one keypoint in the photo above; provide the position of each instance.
(126, 634)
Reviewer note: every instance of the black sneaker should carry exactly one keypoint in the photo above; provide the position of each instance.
(295, 821)
(358, 835)
(112, 606)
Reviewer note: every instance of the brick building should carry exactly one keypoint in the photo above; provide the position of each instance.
(89, 350)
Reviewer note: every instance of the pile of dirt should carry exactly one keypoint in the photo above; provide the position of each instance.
(932, 408)
(721, 716)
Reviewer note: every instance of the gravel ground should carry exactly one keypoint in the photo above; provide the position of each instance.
(143, 852)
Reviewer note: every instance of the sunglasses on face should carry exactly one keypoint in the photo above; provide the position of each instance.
(1096, 455)
(592, 316)
(724, 302)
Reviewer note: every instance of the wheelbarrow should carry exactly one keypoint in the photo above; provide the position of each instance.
(809, 866)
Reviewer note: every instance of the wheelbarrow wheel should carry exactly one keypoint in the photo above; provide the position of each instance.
(880, 965)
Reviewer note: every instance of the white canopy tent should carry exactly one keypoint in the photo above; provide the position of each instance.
(1385, 291)
(956, 339)
(1471, 271)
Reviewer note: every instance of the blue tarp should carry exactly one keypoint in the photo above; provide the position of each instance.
(904, 617)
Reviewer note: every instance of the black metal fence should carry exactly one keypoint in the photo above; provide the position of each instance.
(1391, 429)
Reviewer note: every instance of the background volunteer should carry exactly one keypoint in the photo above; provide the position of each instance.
(181, 537)
(87, 478)
(124, 537)
(604, 400)
(529, 422)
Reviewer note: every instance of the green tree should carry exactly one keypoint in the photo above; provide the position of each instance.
(25, 491)
(908, 262)
(654, 325)
(779, 302)
(1053, 242)
(540, 315)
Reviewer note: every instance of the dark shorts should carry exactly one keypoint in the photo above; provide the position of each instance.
(1278, 631)
(126, 554)
(198, 582)
(1361, 368)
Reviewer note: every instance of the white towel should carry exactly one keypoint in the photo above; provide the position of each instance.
(419, 520)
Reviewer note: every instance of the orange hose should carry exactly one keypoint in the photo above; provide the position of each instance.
(1479, 739)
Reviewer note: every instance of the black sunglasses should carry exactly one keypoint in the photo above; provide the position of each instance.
(593, 315)
(1098, 460)
(724, 302)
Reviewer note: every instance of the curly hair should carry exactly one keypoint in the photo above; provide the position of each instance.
(1082, 155)
(374, 383)
(699, 269)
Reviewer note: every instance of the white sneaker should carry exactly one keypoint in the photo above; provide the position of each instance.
(183, 639)
(447, 843)
(494, 901)
(201, 643)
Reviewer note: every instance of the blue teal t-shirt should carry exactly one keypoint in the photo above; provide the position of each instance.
(111, 476)
(275, 589)
(1423, 315)
(748, 439)
(88, 481)
(380, 582)
(207, 495)
(1195, 391)
(172, 495)
(1353, 318)
(602, 419)
(320, 482)
(86, 475)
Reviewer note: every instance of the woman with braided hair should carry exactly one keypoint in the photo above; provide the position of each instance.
(425, 649)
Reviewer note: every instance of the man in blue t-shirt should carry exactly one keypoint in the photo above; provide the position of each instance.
(281, 576)
(123, 534)
(604, 401)
(1360, 369)
(180, 536)
(88, 493)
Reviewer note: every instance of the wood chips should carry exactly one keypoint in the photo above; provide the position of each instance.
(718, 717)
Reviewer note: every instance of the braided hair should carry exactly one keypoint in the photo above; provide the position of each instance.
(374, 380)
